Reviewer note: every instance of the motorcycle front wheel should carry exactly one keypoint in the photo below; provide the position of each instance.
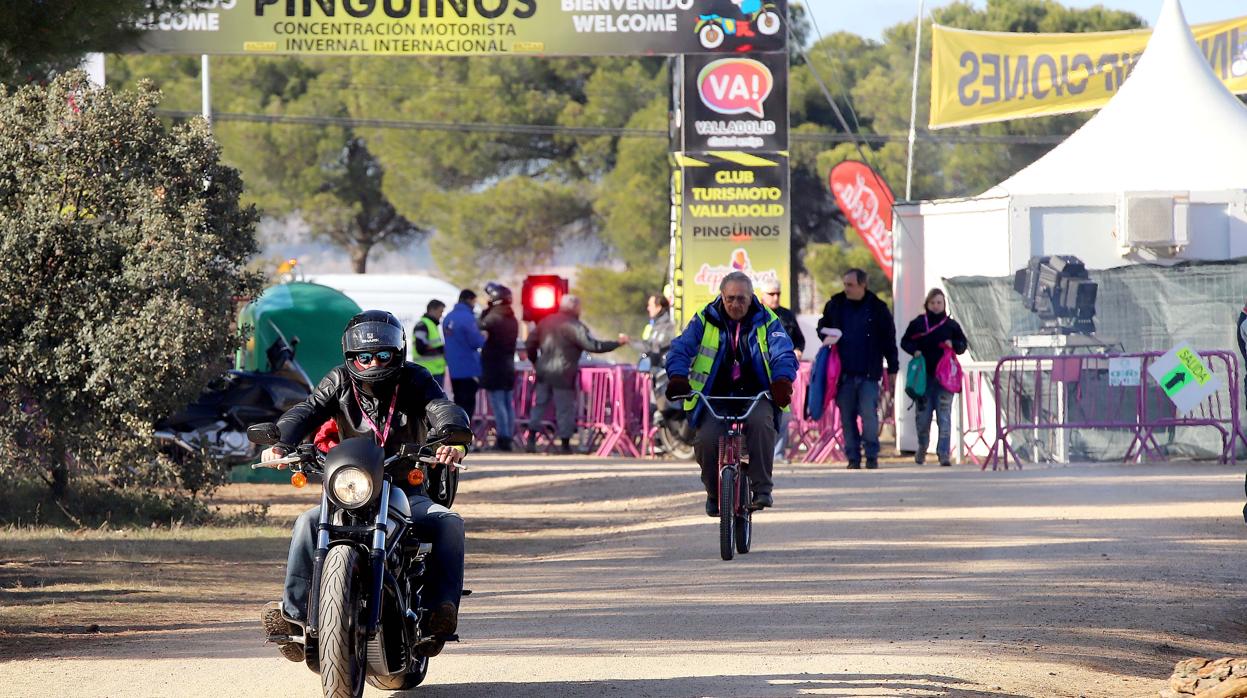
(671, 435)
(343, 663)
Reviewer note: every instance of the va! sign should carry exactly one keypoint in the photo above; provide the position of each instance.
(733, 103)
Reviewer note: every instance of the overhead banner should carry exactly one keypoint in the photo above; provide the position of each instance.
(734, 216)
(470, 27)
(733, 103)
(866, 200)
(981, 77)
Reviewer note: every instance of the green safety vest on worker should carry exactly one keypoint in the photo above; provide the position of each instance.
(435, 364)
(699, 373)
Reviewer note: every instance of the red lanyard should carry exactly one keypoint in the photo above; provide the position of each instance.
(735, 346)
(388, 418)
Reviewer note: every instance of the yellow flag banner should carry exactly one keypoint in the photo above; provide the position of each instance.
(981, 77)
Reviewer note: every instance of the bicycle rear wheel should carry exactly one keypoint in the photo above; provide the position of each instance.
(727, 512)
(744, 522)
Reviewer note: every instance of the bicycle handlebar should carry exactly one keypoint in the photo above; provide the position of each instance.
(753, 402)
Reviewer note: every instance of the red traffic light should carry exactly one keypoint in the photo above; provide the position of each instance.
(541, 295)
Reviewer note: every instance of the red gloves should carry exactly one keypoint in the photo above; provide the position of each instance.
(781, 393)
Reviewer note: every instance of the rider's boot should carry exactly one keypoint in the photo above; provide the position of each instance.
(278, 628)
(440, 627)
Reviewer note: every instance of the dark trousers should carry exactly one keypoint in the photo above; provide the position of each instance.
(465, 394)
(760, 436)
(432, 523)
(564, 410)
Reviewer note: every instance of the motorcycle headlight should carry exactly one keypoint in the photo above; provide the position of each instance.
(351, 487)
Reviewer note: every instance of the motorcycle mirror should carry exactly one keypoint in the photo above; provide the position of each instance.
(265, 434)
(452, 435)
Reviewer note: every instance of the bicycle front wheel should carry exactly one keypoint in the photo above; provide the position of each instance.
(727, 512)
(744, 522)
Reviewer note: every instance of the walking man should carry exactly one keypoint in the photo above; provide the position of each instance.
(555, 348)
(867, 340)
(463, 346)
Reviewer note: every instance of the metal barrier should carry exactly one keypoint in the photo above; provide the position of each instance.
(1044, 402)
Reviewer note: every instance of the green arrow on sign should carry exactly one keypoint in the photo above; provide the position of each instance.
(1175, 380)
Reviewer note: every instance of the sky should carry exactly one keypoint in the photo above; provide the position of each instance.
(870, 17)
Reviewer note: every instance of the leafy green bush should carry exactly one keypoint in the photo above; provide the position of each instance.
(123, 248)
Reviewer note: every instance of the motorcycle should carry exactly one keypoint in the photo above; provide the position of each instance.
(215, 424)
(675, 435)
(364, 609)
(712, 29)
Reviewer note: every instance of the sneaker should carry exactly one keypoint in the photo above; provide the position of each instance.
(442, 623)
(762, 500)
(945, 462)
(503, 445)
(276, 625)
(920, 456)
(565, 448)
(872, 463)
(854, 465)
(712, 506)
(531, 447)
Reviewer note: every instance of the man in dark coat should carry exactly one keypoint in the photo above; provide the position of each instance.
(498, 361)
(555, 348)
(862, 326)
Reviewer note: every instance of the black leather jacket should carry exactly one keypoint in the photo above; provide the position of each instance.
(334, 399)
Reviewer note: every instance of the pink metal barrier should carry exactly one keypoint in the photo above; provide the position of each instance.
(1044, 402)
(614, 416)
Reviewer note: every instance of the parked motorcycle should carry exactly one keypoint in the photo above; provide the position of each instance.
(675, 435)
(215, 424)
(364, 610)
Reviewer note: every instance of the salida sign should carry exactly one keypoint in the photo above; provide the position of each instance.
(737, 103)
(866, 200)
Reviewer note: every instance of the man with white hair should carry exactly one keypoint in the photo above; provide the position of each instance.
(734, 347)
(555, 348)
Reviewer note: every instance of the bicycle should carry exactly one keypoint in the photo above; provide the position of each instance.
(735, 498)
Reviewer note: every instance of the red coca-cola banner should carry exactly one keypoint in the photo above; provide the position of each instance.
(866, 201)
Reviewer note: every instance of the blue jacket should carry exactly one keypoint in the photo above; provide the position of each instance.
(463, 342)
(685, 347)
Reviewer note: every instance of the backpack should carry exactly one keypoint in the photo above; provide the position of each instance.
(916, 377)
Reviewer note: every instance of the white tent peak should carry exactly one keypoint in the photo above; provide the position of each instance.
(1173, 125)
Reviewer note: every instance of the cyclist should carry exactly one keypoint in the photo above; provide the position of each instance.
(734, 347)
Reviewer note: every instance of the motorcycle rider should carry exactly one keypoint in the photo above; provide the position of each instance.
(502, 330)
(735, 347)
(376, 393)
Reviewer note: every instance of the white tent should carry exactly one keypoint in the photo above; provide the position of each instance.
(405, 295)
(1158, 175)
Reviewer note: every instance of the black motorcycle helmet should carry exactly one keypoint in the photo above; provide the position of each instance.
(498, 294)
(373, 331)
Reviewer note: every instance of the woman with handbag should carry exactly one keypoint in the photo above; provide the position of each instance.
(935, 339)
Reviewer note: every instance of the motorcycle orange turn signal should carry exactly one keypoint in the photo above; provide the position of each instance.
(298, 480)
(415, 477)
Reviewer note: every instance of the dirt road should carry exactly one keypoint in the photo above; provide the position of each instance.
(602, 578)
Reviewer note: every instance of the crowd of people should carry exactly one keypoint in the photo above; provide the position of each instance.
(480, 353)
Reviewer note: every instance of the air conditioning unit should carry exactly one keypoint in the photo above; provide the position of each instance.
(1155, 221)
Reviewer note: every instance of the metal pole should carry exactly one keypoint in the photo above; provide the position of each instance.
(206, 87)
(913, 106)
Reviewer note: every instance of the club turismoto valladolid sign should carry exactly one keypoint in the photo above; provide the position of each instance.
(470, 27)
